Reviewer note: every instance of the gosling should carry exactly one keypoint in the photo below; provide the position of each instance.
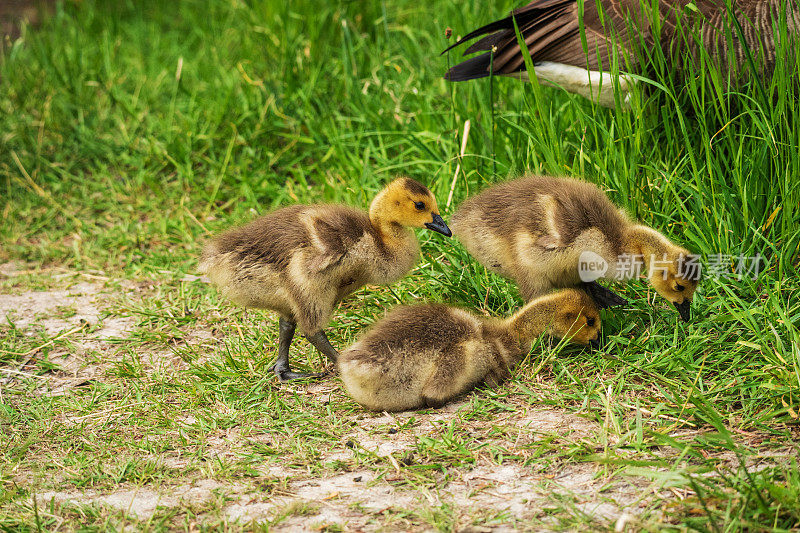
(546, 232)
(302, 260)
(425, 355)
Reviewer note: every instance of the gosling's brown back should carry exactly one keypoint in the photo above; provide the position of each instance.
(517, 204)
(418, 327)
(276, 237)
(416, 356)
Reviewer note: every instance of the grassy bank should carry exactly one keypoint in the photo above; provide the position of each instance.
(131, 132)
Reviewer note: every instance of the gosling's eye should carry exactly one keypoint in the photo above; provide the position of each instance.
(679, 287)
(419, 205)
(590, 321)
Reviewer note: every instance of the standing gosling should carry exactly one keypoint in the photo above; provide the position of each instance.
(301, 260)
(425, 355)
(537, 230)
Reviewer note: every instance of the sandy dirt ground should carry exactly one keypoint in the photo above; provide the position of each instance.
(86, 310)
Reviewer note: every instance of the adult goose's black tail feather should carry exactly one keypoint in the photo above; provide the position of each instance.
(485, 44)
(501, 35)
(545, 25)
(471, 69)
(523, 16)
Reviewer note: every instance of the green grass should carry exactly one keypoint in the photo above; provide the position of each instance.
(131, 131)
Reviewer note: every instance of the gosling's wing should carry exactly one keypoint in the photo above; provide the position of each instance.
(569, 211)
(269, 241)
(336, 236)
(524, 208)
(545, 227)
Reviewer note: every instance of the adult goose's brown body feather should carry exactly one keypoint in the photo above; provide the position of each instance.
(554, 33)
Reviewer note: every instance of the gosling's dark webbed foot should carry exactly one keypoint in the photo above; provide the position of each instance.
(286, 374)
(602, 296)
(281, 367)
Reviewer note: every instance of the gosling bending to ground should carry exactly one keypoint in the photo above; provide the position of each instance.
(425, 355)
(301, 260)
(545, 232)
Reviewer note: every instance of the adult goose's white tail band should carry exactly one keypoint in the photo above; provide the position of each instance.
(574, 45)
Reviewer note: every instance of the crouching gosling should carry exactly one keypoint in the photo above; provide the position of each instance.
(425, 355)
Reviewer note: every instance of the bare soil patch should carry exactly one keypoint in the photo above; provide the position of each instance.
(362, 499)
(361, 494)
(78, 316)
(59, 310)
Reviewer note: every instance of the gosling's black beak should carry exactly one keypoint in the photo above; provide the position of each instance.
(439, 225)
(684, 309)
(594, 344)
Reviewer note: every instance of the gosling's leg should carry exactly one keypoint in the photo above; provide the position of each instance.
(281, 367)
(320, 341)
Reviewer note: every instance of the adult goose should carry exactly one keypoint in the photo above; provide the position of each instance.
(573, 43)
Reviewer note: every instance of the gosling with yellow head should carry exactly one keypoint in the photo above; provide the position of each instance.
(302, 260)
(426, 355)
